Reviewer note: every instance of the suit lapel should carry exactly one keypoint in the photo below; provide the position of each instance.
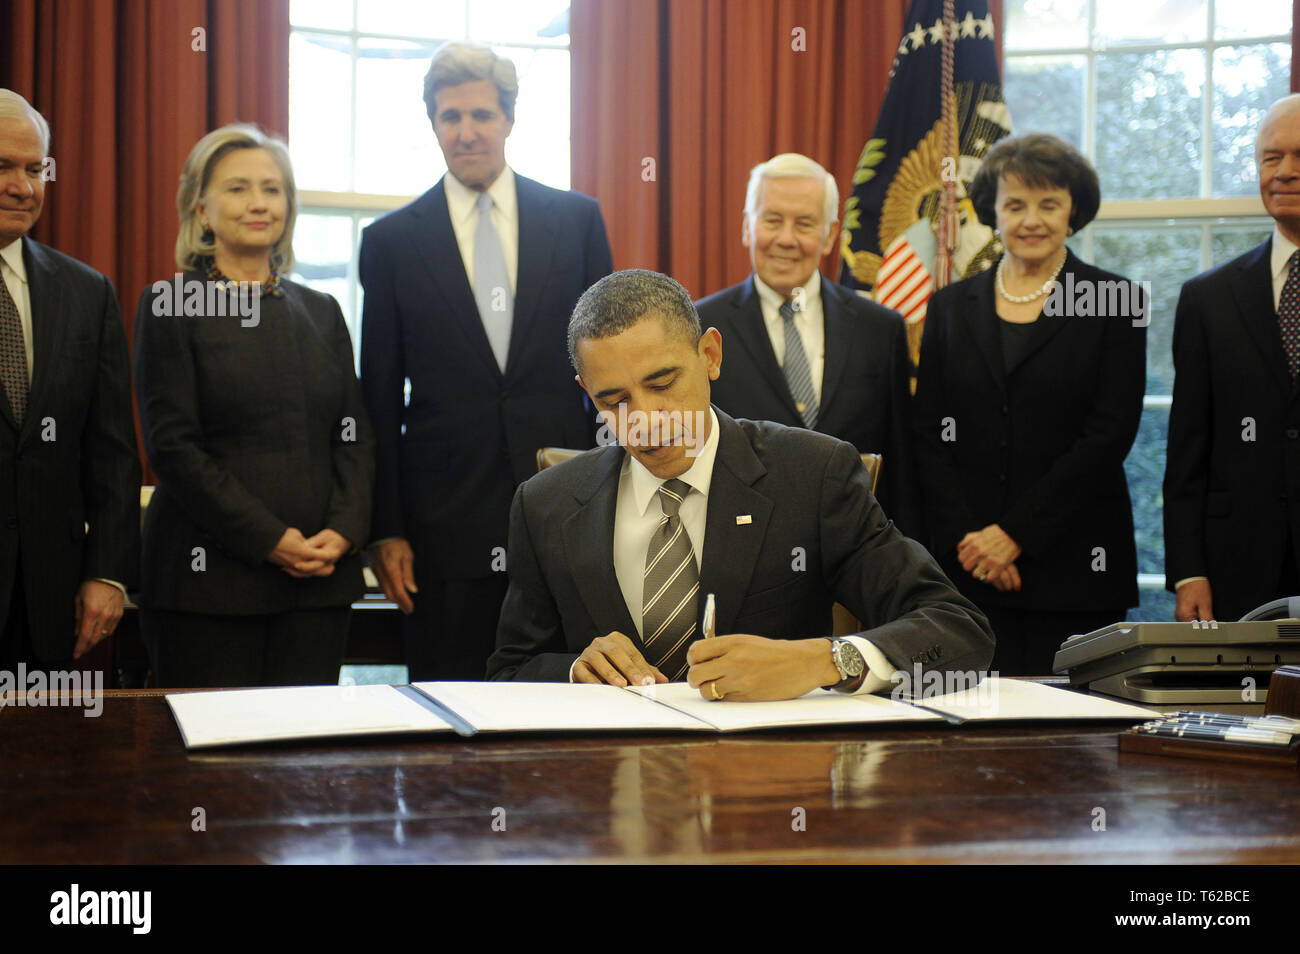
(752, 332)
(435, 240)
(49, 325)
(594, 521)
(983, 321)
(537, 240)
(1252, 290)
(835, 347)
(731, 549)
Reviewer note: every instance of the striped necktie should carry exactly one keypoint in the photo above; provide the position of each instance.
(13, 354)
(1288, 317)
(671, 587)
(796, 370)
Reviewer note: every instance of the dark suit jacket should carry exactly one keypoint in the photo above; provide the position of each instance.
(803, 490)
(1230, 502)
(449, 461)
(247, 429)
(865, 386)
(1039, 451)
(74, 462)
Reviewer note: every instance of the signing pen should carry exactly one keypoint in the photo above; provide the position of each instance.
(710, 626)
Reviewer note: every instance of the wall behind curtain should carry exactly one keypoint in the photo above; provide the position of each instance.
(126, 97)
(698, 91)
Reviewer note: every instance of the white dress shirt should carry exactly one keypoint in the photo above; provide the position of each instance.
(14, 273)
(807, 321)
(637, 513)
(462, 206)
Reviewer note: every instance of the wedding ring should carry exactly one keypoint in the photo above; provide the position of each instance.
(713, 686)
(980, 575)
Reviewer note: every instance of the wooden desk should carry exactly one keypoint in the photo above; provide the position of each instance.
(120, 788)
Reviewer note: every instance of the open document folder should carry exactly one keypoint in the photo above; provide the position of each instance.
(240, 716)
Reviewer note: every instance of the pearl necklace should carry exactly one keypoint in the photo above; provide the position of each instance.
(1043, 289)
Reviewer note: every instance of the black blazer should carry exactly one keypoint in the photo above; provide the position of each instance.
(1039, 451)
(802, 490)
(70, 477)
(449, 461)
(1232, 476)
(251, 430)
(865, 387)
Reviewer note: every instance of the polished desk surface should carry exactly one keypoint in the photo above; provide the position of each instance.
(120, 788)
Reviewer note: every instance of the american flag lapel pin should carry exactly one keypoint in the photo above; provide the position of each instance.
(744, 519)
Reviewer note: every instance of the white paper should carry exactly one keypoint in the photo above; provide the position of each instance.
(1018, 699)
(552, 707)
(818, 707)
(233, 716)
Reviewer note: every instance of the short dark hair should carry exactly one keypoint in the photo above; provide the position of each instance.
(1039, 160)
(618, 301)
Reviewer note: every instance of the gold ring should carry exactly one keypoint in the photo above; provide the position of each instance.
(714, 686)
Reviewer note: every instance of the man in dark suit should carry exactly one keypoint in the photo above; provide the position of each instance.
(1232, 475)
(69, 469)
(607, 582)
(805, 351)
(467, 293)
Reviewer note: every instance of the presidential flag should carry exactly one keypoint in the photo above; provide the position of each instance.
(909, 226)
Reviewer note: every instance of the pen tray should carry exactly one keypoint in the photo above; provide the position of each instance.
(1141, 742)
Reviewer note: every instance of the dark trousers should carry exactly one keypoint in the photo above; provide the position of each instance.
(16, 637)
(1027, 641)
(454, 627)
(296, 648)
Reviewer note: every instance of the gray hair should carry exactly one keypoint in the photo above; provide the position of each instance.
(457, 62)
(618, 301)
(194, 244)
(14, 106)
(1281, 109)
(792, 165)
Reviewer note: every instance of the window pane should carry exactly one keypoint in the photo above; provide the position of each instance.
(1046, 94)
(1145, 469)
(1150, 21)
(1239, 18)
(538, 146)
(1166, 256)
(322, 247)
(326, 14)
(1229, 238)
(1046, 24)
(320, 98)
(397, 153)
(1148, 126)
(430, 19)
(1246, 80)
(519, 21)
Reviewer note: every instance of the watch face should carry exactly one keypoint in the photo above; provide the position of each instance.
(848, 660)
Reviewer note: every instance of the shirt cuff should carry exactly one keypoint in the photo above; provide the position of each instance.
(878, 674)
(571, 665)
(120, 587)
(1189, 579)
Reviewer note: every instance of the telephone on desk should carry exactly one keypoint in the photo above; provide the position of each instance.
(1195, 663)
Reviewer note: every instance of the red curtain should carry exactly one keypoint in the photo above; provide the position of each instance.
(128, 87)
(675, 100)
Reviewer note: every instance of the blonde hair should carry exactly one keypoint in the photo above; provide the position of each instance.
(194, 244)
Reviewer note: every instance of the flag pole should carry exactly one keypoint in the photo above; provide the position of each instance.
(947, 237)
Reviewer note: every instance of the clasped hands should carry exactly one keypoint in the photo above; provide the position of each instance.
(302, 557)
(741, 667)
(990, 556)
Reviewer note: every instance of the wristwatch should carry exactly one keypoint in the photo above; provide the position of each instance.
(848, 663)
